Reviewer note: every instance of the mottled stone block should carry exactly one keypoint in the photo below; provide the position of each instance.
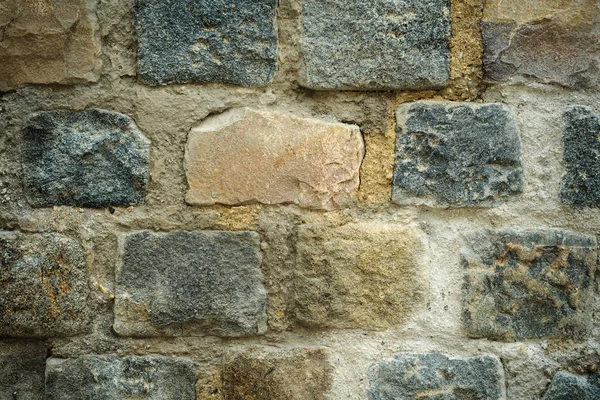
(566, 386)
(456, 154)
(226, 41)
(22, 368)
(246, 156)
(356, 276)
(92, 158)
(110, 377)
(43, 286)
(528, 284)
(437, 376)
(49, 41)
(190, 283)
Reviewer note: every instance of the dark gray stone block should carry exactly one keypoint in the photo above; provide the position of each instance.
(528, 284)
(190, 283)
(456, 154)
(566, 386)
(375, 44)
(92, 158)
(437, 376)
(225, 41)
(22, 368)
(43, 286)
(113, 378)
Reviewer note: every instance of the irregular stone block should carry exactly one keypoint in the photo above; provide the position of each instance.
(43, 286)
(456, 154)
(375, 44)
(566, 386)
(202, 41)
(528, 284)
(48, 41)
(110, 377)
(190, 283)
(22, 368)
(92, 158)
(308, 162)
(581, 182)
(356, 276)
(437, 376)
(550, 41)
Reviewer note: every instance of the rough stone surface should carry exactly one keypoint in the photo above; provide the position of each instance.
(43, 286)
(300, 374)
(528, 284)
(375, 44)
(456, 154)
(190, 283)
(437, 376)
(22, 371)
(48, 41)
(566, 386)
(356, 276)
(206, 41)
(114, 378)
(93, 158)
(581, 182)
(308, 162)
(552, 41)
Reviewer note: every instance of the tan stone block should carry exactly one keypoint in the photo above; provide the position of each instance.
(246, 156)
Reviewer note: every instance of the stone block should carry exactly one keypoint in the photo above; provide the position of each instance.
(225, 41)
(566, 386)
(456, 154)
(528, 284)
(190, 283)
(22, 368)
(246, 156)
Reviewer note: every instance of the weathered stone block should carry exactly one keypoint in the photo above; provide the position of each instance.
(48, 41)
(437, 376)
(456, 154)
(204, 41)
(190, 283)
(375, 44)
(22, 371)
(92, 158)
(528, 284)
(551, 41)
(566, 386)
(299, 374)
(43, 286)
(581, 182)
(110, 377)
(307, 162)
(356, 276)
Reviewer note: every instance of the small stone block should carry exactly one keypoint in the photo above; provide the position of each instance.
(566, 386)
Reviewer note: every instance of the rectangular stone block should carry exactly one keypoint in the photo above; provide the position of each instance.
(44, 286)
(110, 377)
(190, 284)
(22, 371)
(567, 386)
(528, 284)
(456, 154)
(245, 156)
(375, 44)
(202, 41)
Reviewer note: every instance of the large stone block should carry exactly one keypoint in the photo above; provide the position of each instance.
(528, 284)
(111, 377)
(375, 44)
(190, 283)
(204, 41)
(22, 368)
(92, 158)
(48, 41)
(566, 386)
(437, 376)
(246, 156)
(43, 286)
(356, 276)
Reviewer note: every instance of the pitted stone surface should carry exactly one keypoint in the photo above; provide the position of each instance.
(114, 378)
(22, 368)
(528, 284)
(566, 386)
(189, 284)
(456, 154)
(43, 286)
(437, 376)
(246, 156)
(203, 41)
(92, 158)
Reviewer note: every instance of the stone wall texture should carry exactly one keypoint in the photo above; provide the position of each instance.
(299, 199)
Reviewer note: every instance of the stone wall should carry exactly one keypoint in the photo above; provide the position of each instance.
(299, 199)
